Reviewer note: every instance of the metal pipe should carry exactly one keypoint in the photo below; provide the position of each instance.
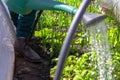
(65, 48)
(7, 40)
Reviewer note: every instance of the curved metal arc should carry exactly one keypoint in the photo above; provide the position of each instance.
(65, 48)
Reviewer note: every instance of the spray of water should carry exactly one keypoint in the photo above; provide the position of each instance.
(100, 45)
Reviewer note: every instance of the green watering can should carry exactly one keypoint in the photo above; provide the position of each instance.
(26, 6)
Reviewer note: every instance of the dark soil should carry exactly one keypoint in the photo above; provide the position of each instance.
(25, 70)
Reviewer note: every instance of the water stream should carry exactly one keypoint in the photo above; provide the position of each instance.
(100, 45)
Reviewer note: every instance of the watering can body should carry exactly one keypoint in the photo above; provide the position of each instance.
(26, 6)
(18, 6)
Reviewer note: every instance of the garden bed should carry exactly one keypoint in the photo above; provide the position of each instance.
(25, 70)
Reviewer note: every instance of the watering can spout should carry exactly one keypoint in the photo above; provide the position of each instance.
(50, 5)
(26, 6)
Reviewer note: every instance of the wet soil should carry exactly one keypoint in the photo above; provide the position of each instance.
(25, 70)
